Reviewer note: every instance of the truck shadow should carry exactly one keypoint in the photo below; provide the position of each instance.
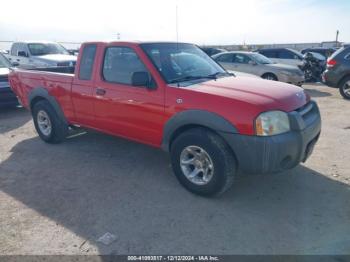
(317, 93)
(94, 184)
(15, 117)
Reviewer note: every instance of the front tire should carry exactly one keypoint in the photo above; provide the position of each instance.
(269, 76)
(344, 88)
(49, 126)
(202, 162)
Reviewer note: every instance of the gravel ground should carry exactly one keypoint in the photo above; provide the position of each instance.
(60, 199)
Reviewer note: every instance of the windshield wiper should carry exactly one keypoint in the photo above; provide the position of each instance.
(189, 78)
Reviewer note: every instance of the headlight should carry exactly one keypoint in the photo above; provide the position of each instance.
(272, 123)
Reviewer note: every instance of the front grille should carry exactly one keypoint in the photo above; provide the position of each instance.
(304, 110)
(308, 112)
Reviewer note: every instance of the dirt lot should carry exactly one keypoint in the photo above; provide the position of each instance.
(59, 199)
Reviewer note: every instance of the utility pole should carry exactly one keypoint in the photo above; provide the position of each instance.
(336, 38)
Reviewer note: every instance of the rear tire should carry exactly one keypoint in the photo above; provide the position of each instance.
(49, 126)
(269, 76)
(201, 149)
(344, 88)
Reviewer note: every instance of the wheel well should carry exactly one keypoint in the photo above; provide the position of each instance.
(184, 128)
(341, 80)
(36, 100)
(269, 73)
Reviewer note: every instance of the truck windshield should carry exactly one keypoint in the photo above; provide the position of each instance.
(3, 62)
(178, 62)
(38, 49)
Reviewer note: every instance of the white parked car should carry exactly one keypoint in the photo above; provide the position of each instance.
(32, 55)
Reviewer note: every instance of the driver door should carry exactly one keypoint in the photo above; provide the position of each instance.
(134, 112)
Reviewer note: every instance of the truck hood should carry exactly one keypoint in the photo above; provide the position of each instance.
(269, 95)
(57, 58)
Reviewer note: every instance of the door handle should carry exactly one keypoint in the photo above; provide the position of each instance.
(100, 91)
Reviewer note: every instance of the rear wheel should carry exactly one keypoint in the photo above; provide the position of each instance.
(269, 76)
(49, 126)
(344, 88)
(202, 162)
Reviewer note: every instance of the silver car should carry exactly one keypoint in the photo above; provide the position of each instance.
(257, 64)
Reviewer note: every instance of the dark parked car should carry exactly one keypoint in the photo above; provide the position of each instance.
(325, 51)
(337, 73)
(210, 51)
(7, 97)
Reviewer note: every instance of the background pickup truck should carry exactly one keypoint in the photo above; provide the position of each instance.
(175, 97)
(31, 55)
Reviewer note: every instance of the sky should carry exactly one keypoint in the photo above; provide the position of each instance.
(205, 22)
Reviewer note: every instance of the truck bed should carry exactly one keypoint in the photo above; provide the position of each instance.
(53, 80)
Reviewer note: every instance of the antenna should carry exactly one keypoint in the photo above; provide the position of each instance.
(177, 25)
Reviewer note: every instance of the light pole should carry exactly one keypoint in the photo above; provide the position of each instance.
(336, 38)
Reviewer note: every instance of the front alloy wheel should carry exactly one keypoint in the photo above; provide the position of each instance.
(202, 162)
(196, 165)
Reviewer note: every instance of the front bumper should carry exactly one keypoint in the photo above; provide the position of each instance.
(259, 155)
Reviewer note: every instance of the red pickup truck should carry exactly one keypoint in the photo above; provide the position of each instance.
(175, 97)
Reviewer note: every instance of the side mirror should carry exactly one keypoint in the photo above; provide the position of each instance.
(22, 53)
(15, 64)
(142, 79)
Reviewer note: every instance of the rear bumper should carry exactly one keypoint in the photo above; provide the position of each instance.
(259, 155)
(330, 78)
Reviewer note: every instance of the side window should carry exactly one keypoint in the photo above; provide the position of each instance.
(241, 59)
(14, 50)
(87, 62)
(285, 54)
(119, 65)
(22, 48)
(269, 53)
(225, 58)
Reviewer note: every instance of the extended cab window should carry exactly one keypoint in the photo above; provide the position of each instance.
(87, 62)
(119, 65)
